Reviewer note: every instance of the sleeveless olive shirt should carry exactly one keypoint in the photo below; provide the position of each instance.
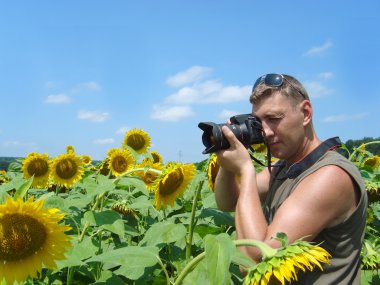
(342, 241)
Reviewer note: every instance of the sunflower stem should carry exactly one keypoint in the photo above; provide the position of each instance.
(87, 224)
(362, 145)
(70, 275)
(164, 269)
(265, 249)
(189, 241)
(57, 190)
(189, 267)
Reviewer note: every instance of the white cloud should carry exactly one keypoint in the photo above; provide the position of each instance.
(18, 144)
(317, 89)
(61, 98)
(345, 117)
(86, 86)
(50, 84)
(319, 50)
(104, 141)
(122, 130)
(208, 92)
(326, 75)
(94, 86)
(171, 113)
(93, 116)
(193, 74)
(226, 114)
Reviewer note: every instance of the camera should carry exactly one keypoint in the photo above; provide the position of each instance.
(247, 129)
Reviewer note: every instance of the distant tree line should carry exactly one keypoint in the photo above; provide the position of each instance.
(350, 144)
(372, 148)
(5, 161)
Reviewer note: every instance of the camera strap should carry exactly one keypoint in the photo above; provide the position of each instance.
(299, 167)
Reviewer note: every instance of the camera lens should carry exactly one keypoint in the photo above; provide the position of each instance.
(246, 128)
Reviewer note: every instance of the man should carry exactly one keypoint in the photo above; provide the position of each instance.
(315, 193)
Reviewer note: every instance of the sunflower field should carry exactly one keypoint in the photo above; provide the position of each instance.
(133, 219)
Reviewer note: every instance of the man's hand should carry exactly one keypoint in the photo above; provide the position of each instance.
(236, 158)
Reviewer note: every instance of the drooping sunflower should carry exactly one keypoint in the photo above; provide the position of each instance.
(120, 161)
(148, 172)
(156, 157)
(137, 139)
(372, 161)
(30, 238)
(67, 169)
(123, 209)
(212, 171)
(37, 165)
(172, 182)
(103, 167)
(283, 267)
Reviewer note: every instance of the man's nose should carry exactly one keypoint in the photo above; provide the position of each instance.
(267, 130)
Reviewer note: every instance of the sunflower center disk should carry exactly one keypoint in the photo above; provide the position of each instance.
(20, 236)
(172, 182)
(38, 167)
(66, 168)
(120, 164)
(136, 142)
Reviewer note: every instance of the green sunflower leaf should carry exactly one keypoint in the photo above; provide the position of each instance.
(133, 260)
(24, 187)
(219, 250)
(164, 232)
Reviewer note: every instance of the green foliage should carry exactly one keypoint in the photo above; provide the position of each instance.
(374, 148)
(359, 152)
(189, 243)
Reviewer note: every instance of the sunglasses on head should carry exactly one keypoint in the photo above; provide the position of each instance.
(275, 80)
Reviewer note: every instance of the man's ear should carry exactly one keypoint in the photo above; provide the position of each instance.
(307, 112)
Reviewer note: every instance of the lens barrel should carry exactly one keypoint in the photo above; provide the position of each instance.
(246, 128)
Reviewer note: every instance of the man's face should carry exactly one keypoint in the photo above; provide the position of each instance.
(283, 123)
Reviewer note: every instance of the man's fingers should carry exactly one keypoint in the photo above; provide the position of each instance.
(229, 136)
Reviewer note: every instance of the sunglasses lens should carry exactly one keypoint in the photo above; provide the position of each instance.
(258, 81)
(273, 79)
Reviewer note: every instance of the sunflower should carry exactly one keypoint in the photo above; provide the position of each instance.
(172, 182)
(156, 157)
(86, 159)
(67, 169)
(261, 148)
(103, 167)
(122, 208)
(212, 171)
(70, 149)
(373, 162)
(3, 177)
(137, 139)
(30, 238)
(120, 161)
(283, 267)
(37, 165)
(148, 172)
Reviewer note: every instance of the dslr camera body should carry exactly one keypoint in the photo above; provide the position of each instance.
(246, 128)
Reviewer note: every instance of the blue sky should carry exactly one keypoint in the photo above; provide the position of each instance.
(82, 73)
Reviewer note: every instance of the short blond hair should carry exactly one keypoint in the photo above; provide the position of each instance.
(291, 88)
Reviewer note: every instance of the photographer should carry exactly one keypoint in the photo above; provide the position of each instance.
(312, 193)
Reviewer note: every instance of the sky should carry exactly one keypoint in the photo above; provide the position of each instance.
(82, 73)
